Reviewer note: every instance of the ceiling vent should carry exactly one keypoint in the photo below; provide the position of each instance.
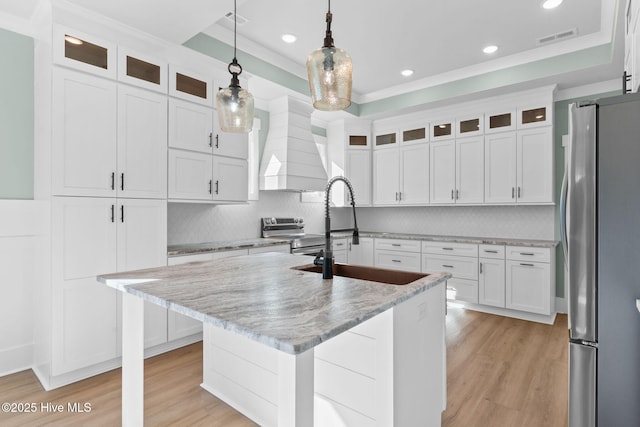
(241, 19)
(562, 35)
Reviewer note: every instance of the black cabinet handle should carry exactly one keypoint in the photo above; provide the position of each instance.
(121, 213)
(217, 141)
(113, 213)
(210, 139)
(217, 186)
(491, 252)
(210, 184)
(447, 249)
(480, 268)
(527, 253)
(122, 181)
(113, 180)
(526, 265)
(447, 266)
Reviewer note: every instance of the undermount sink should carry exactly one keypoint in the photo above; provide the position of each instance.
(373, 274)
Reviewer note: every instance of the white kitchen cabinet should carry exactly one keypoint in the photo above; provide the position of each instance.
(500, 120)
(500, 175)
(142, 143)
(535, 166)
(401, 175)
(414, 174)
(190, 126)
(91, 236)
(362, 253)
(229, 144)
(491, 282)
(535, 115)
(530, 279)
(190, 175)
(397, 254)
(83, 134)
(230, 179)
(470, 170)
(339, 247)
(457, 171)
(84, 325)
(443, 129)
(443, 172)
(470, 126)
(84, 52)
(190, 85)
(519, 167)
(358, 172)
(141, 70)
(386, 176)
(459, 259)
(142, 243)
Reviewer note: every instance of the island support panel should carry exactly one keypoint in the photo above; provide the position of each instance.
(387, 371)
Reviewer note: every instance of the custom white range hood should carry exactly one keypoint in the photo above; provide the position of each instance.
(291, 160)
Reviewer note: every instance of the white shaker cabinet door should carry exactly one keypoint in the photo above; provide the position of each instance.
(83, 148)
(362, 253)
(491, 282)
(142, 243)
(229, 144)
(84, 312)
(358, 171)
(443, 172)
(190, 175)
(386, 176)
(500, 168)
(470, 170)
(142, 143)
(414, 174)
(190, 126)
(535, 166)
(230, 179)
(528, 286)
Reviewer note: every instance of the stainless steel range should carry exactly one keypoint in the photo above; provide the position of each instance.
(293, 229)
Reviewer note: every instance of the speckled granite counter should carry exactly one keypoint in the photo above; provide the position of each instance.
(261, 297)
(456, 239)
(198, 248)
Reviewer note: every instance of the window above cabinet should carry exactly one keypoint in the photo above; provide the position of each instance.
(83, 52)
(141, 70)
(190, 86)
(443, 129)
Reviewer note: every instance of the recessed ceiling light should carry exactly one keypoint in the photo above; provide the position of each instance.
(406, 72)
(551, 4)
(490, 49)
(289, 38)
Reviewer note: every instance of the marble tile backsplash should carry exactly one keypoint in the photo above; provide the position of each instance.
(195, 223)
(526, 222)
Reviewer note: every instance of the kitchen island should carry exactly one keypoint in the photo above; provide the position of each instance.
(261, 311)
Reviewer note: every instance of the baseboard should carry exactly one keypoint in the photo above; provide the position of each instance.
(561, 305)
(57, 381)
(16, 359)
(523, 315)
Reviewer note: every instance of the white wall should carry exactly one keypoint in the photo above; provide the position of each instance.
(20, 224)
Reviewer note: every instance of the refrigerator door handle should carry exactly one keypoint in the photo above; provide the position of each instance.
(563, 218)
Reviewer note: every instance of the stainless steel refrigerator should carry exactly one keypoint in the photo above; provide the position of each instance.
(600, 215)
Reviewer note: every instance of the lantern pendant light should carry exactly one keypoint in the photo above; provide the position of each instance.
(235, 104)
(329, 71)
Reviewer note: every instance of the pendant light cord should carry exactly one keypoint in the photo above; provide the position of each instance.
(235, 28)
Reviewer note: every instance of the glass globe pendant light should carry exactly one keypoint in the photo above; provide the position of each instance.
(235, 104)
(329, 71)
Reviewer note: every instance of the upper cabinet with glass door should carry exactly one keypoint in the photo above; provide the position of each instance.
(442, 129)
(503, 120)
(385, 138)
(83, 52)
(190, 86)
(417, 132)
(140, 70)
(470, 125)
(534, 116)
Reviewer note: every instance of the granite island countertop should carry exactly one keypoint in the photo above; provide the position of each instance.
(261, 297)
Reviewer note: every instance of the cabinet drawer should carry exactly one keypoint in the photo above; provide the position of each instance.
(463, 290)
(526, 253)
(339, 244)
(398, 245)
(459, 267)
(445, 248)
(491, 251)
(396, 260)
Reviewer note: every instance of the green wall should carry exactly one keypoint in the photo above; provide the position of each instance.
(16, 116)
(561, 127)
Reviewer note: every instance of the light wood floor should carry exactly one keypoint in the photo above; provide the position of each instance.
(501, 372)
